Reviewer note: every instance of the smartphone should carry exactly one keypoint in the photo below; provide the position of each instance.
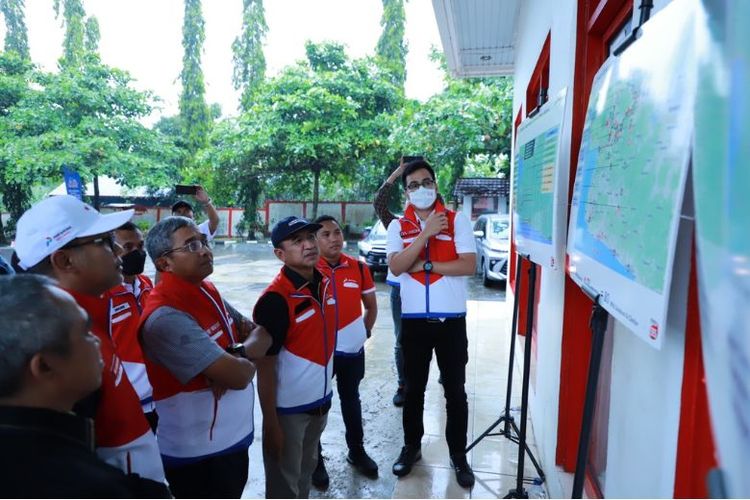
(185, 189)
(408, 159)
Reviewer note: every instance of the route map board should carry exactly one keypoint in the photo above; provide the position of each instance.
(539, 185)
(721, 180)
(631, 174)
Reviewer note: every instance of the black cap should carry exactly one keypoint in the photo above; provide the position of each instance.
(181, 204)
(288, 226)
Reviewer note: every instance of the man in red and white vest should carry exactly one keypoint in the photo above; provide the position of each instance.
(432, 250)
(126, 303)
(294, 382)
(352, 287)
(68, 240)
(197, 350)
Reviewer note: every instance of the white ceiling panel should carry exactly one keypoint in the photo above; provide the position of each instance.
(478, 36)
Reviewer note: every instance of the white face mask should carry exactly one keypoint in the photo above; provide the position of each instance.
(423, 198)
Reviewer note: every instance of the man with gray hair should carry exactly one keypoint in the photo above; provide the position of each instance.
(49, 360)
(198, 352)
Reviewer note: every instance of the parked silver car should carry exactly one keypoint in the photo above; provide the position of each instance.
(492, 233)
(372, 248)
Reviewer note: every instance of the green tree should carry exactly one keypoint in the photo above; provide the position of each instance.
(249, 73)
(194, 113)
(16, 34)
(469, 123)
(315, 122)
(74, 16)
(92, 35)
(13, 68)
(247, 51)
(85, 118)
(391, 48)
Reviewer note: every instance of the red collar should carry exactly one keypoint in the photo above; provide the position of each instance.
(411, 213)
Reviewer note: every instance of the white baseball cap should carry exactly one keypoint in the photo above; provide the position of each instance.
(56, 221)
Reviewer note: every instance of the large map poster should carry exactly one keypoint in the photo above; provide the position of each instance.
(721, 183)
(539, 186)
(631, 174)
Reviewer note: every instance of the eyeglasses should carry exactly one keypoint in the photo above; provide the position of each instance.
(194, 246)
(104, 240)
(426, 183)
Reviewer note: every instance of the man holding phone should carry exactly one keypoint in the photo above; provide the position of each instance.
(185, 209)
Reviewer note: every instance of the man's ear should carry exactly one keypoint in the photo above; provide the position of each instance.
(279, 253)
(62, 260)
(39, 366)
(162, 264)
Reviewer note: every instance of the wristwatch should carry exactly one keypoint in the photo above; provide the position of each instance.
(427, 266)
(237, 349)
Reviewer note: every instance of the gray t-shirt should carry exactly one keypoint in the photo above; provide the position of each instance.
(176, 341)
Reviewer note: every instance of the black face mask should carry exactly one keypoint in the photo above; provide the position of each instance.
(133, 262)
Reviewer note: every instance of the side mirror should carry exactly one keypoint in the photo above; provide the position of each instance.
(479, 234)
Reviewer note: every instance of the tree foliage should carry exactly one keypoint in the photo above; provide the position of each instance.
(73, 19)
(86, 119)
(391, 48)
(315, 121)
(247, 51)
(14, 64)
(16, 34)
(194, 113)
(92, 35)
(468, 123)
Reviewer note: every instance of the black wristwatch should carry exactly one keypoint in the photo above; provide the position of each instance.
(427, 266)
(237, 349)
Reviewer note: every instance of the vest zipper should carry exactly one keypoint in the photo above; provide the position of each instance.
(427, 279)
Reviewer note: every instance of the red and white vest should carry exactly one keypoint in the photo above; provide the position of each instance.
(305, 362)
(125, 313)
(193, 424)
(348, 283)
(123, 436)
(429, 294)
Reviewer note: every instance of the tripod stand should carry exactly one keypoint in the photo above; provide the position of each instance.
(510, 430)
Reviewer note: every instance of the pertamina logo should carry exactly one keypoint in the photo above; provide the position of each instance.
(653, 332)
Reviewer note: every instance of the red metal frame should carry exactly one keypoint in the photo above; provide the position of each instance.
(696, 452)
(597, 22)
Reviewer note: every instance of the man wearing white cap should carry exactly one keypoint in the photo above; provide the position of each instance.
(68, 240)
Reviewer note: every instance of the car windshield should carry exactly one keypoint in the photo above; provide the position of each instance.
(498, 229)
(378, 231)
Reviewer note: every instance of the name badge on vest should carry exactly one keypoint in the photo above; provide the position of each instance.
(331, 301)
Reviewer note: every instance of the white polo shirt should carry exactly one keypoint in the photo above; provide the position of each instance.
(447, 297)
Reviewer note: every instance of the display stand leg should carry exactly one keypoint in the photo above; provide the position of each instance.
(598, 324)
(519, 491)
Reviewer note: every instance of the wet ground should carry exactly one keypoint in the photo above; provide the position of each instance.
(242, 271)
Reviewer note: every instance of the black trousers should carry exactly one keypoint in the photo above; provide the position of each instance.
(419, 338)
(349, 372)
(222, 476)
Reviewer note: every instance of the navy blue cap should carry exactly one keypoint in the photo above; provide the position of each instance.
(287, 226)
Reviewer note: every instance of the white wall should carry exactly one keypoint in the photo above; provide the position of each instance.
(537, 19)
